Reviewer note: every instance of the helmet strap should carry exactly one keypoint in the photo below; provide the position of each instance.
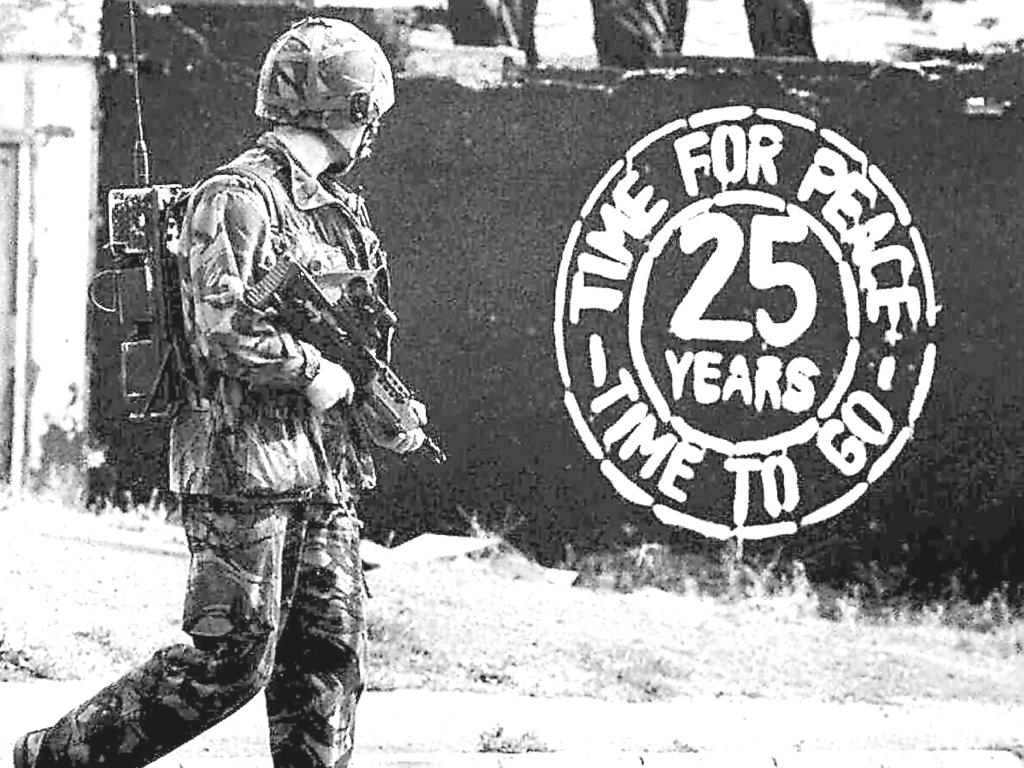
(365, 148)
(359, 107)
(362, 150)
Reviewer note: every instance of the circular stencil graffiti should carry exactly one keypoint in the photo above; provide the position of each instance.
(743, 323)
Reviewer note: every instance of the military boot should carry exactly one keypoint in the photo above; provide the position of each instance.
(26, 749)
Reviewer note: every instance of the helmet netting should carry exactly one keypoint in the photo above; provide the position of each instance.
(311, 73)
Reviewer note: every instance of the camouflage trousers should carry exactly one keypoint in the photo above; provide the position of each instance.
(274, 602)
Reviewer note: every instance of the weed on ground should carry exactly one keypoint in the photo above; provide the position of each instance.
(87, 595)
(497, 740)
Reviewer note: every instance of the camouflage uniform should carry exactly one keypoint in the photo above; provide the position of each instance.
(251, 429)
(275, 590)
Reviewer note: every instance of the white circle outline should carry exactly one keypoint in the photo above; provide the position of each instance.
(784, 440)
(830, 509)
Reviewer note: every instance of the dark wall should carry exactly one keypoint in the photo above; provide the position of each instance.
(474, 192)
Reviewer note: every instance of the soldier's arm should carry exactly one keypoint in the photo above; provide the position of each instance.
(229, 231)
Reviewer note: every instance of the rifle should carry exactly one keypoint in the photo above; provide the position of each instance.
(347, 332)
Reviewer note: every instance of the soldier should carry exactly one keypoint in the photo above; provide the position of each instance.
(267, 454)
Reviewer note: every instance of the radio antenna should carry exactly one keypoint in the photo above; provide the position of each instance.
(140, 152)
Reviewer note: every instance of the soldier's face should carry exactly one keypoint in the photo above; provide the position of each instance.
(346, 145)
(341, 144)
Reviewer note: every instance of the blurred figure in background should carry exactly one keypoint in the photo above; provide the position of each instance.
(632, 34)
(780, 28)
(635, 34)
(495, 22)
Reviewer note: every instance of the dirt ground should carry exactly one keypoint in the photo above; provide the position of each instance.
(466, 648)
(88, 597)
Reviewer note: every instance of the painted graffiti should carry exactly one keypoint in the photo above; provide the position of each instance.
(744, 323)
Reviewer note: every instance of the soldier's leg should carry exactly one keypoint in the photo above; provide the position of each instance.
(232, 612)
(318, 675)
(798, 30)
(780, 28)
(176, 695)
(676, 23)
(636, 33)
(528, 32)
(477, 22)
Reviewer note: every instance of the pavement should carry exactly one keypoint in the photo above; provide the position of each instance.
(433, 729)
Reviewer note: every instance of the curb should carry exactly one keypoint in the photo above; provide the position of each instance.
(718, 759)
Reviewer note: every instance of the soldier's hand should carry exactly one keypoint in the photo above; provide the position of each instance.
(405, 442)
(420, 410)
(331, 385)
(402, 442)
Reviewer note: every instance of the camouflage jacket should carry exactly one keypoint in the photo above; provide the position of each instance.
(247, 428)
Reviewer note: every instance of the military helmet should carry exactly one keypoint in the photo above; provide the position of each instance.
(324, 73)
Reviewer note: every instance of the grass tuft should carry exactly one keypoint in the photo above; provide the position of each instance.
(682, 746)
(728, 579)
(18, 663)
(647, 624)
(872, 597)
(497, 740)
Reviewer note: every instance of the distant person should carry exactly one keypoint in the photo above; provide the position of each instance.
(495, 22)
(267, 451)
(631, 34)
(636, 34)
(780, 28)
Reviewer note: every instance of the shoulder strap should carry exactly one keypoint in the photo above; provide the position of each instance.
(265, 185)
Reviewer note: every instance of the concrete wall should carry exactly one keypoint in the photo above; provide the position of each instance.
(474, 192)
(48, 107)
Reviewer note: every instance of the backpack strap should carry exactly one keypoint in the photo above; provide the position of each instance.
(264, 185)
